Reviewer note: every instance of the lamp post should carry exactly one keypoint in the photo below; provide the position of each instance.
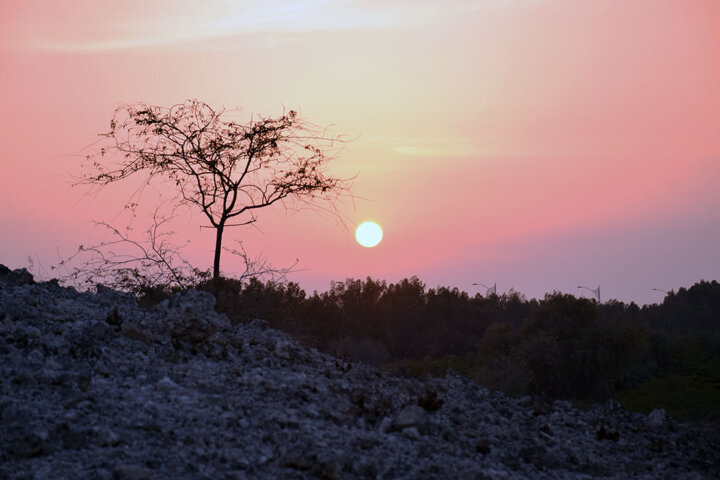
(663, 291)
(595, 291)
(489, 290)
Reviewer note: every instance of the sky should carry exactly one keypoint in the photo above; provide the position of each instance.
(534, 144)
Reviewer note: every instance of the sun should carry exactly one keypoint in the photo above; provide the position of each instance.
(368, 234)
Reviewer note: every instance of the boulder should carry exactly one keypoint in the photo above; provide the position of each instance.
(659, 419)
(412, 416)
(191, 316)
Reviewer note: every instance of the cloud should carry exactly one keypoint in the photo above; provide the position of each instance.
(83, 25)
(437, 149)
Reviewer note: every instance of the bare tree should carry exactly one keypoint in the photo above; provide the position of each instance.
(132, 265)
(228, 170)
(141, 266)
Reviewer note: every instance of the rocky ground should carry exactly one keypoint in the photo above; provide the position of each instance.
(93, 386)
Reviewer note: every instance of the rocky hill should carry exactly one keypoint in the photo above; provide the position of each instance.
(93, 386)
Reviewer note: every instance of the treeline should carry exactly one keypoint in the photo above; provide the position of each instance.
(665, 355)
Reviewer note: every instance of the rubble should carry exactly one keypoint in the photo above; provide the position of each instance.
(93, 386)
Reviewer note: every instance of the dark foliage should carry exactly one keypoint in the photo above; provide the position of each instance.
(560, 346)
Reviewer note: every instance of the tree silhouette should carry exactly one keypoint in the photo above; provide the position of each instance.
(226, 169)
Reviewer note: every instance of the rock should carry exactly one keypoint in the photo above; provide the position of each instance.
(21, 276)
(546, 430)
(659, 419)
(532, 454)
(114, 318)
(28, 444)
(163, 306)
(107, 437)
(103, 366)
(101, 330)
(475, 473)
(36, 357)
(412, 416)
(430, 401)
(71, 437)
(195, 304)
(562, 405)
(166, 384)
(259, 324)
(607, 433)
(541, 405)
(105, 294)
(191, 318)
(33, 332)
(364, 467)
(298, 458)
(131, 472)
(331, 464)
(411, 432)
(134, 333)
(283, 349)
(386, 424)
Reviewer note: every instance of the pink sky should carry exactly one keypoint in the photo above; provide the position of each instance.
(539, 144)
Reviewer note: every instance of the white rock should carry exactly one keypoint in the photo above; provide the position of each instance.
(166, 384)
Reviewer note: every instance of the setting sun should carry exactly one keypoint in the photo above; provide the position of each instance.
(368, 234)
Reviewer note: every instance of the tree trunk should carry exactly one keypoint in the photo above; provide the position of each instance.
(218, 249)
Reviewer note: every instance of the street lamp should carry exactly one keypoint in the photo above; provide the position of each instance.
(490, 290)
(595, 291)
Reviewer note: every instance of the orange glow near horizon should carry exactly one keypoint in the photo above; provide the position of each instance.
(538, 144)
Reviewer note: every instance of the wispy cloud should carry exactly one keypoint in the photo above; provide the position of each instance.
(83, 25)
